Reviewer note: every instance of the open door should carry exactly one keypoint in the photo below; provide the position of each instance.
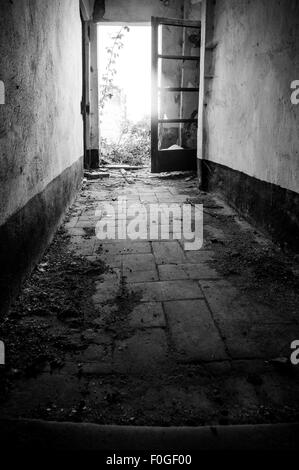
(175, 94)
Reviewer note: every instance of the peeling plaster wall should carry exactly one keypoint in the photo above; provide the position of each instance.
(41, 132)
(250, 124)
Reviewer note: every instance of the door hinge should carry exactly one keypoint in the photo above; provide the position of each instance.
(85, 108)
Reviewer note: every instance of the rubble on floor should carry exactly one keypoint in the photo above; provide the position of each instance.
(95, 175)
(145, 332)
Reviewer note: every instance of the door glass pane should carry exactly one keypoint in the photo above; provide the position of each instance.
(178, 73)
(178, 40)
(177, 105)
(192, 41)
(177, 136)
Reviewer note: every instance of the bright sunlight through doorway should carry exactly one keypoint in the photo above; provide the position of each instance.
(125, 93)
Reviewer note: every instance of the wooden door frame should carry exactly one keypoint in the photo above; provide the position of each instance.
(89, 103)
(163, 160)
(85, 102)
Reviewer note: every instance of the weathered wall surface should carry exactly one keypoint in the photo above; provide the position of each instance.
(137, 10)
(40, 125)
(142, 10)
(251, 125)
(250, 134)
(41, 131)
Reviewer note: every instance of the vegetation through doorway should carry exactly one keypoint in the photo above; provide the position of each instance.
(124, 94)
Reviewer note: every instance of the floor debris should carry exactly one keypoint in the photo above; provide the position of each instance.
(95, 175)
(145, 332)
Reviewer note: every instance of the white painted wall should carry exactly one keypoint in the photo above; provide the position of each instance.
(250, 122)
(41, 131)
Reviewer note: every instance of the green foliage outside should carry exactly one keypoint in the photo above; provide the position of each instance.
(133, 146)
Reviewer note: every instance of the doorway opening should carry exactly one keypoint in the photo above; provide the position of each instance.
(124, 64)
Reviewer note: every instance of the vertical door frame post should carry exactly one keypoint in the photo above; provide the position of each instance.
(89, 105)
(154, 101)
(94, 97)
(86, 93)
(208, 48)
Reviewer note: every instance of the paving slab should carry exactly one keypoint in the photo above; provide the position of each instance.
(127, 247)
(88, 223)
(186, 271)
(193, 331)
(139, 262)
(140, 276)
(228, 304)
(267, 341)
(171, 199)
(148, 315)
(167, 290)
(148, 199)
(111, 260)
(142, 352)
(250, 329)
(201, 271)
(172, 272)
(98, 353)
(168, 253)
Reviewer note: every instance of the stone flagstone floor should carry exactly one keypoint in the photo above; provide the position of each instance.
(172, 337)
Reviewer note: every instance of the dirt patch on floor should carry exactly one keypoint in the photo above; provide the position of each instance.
(53, 309)
(248, 260)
